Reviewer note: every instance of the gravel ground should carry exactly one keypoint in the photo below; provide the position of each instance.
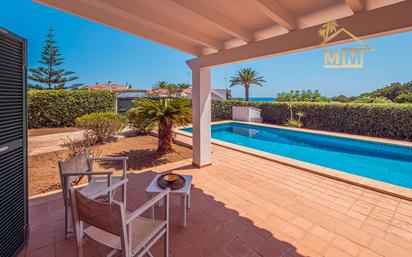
(141, 150)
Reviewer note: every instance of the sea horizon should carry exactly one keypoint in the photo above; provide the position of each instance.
(258, 99)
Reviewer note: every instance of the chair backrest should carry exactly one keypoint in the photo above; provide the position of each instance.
(106, 216)
(75, 164)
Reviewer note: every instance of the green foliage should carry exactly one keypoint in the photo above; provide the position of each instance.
(246, 77)
(301, 96)
(140, 127)
(372, 100)
(392, 91)
(101, 126)
(343, 99)
(379, 120)
(169, 89)
(163, 113)
(60, 108)
(75, 147)
(51, 75)
(404, 97)
(294, 123)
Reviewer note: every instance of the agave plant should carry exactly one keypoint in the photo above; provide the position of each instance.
(163, 114)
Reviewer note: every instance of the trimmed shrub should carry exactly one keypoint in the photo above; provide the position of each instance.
(60, 108)
(101, 126)
(379, 120)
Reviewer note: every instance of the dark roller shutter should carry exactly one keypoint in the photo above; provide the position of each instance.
(13, 144)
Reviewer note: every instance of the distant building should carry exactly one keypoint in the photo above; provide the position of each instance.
(217, 94)
(109, 86)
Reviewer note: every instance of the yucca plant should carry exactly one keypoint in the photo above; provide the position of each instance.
(291, 121)
(165, 114)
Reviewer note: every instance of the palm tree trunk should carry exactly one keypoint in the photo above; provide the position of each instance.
(247, 92)
(165, 137)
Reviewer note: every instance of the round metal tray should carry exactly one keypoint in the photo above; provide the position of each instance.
(177, 184)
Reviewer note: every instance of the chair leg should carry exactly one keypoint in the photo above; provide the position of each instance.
(152, 212)
(112, 253)
(80, 250)
(66, 228)
(79, 239)
(166, 244)
(183, 210)
(68, 222)
(124, 195)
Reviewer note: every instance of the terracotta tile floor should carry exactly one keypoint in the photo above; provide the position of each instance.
(247, 206)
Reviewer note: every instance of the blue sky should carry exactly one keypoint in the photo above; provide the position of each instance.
(99, 54)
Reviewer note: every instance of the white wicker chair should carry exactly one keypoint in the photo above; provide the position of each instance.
(100, 183)
(110, 224)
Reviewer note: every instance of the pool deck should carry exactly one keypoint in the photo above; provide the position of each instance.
(379, 186)
(244, 205)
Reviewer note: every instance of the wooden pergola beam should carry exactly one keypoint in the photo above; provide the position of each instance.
(217, 19)
(163, 23)
(274, 10)
(356, 5)
(103, 16)
(397, 18)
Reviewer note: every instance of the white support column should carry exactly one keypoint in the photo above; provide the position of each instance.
(201, 116)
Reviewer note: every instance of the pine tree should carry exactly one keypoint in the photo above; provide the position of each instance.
(50, 75)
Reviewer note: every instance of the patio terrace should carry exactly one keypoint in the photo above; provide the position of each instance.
(244, 205)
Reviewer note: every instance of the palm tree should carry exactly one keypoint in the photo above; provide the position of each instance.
(160, 85)
(184, 85)
(246, 77)
(165, 114)
(180, 88)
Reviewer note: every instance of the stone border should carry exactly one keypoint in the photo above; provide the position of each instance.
(368, 183)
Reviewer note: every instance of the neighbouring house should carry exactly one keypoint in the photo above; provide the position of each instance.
(217, 94)
(109, 86)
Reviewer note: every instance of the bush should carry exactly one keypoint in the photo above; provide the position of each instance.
(404, 97)
(372, 100)
(379, 120)
(101, 126)
(75, 147)
(60, 108)
(301, 96)
(140, 127)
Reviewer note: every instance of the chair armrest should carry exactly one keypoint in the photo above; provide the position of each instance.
(146, 206)
(109, 188)
(108, 158)
(123, 158)
(88, 173)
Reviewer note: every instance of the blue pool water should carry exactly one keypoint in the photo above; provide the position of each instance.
(384, 162)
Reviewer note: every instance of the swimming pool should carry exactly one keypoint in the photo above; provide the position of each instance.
(384, 162)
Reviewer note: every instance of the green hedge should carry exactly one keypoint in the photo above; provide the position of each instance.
(60, 108)
(379, 120)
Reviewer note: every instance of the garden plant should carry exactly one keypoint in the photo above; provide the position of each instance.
(100, 127)
(163, 114)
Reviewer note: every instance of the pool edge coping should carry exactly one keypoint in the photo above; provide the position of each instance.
(371, 184)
